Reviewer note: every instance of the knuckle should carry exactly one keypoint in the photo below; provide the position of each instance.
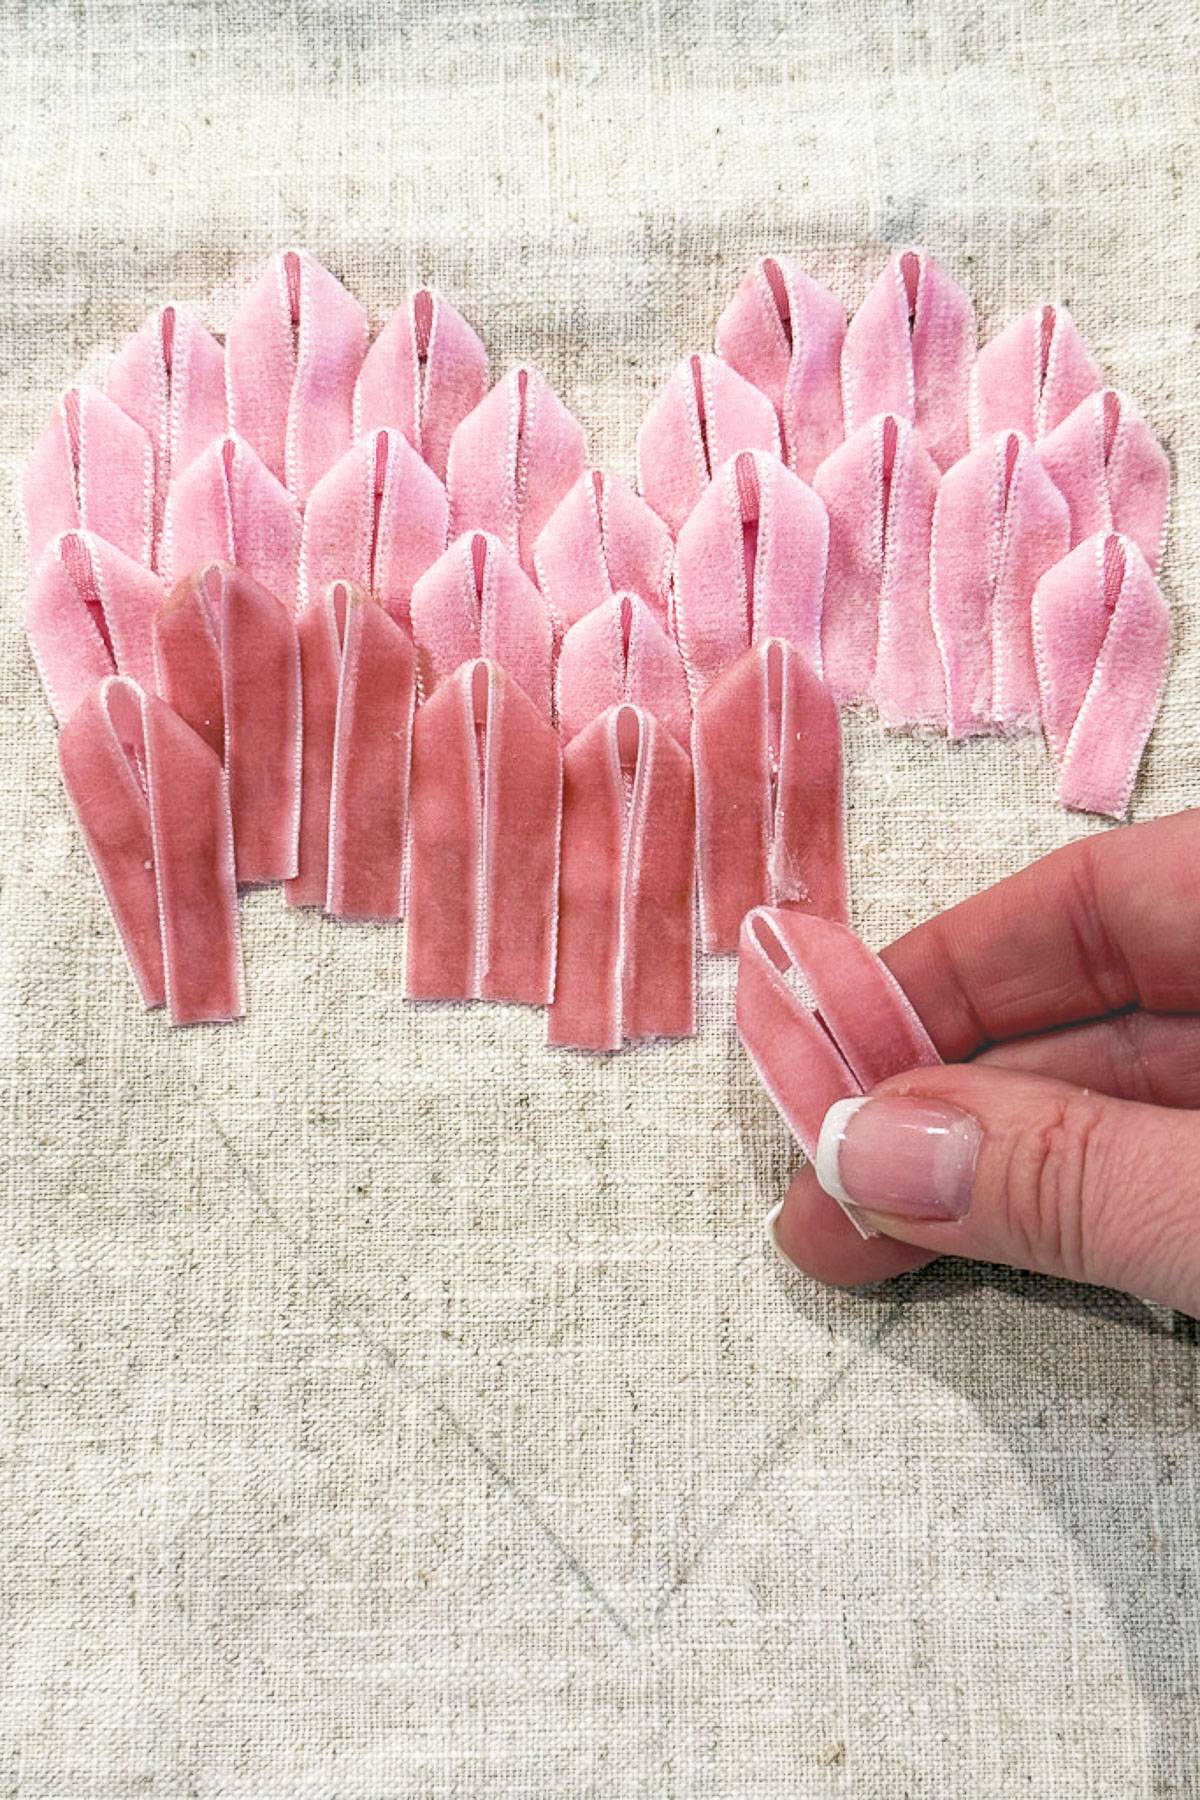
(1053, 1186)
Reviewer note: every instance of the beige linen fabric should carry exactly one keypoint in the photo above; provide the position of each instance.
(393, 1408)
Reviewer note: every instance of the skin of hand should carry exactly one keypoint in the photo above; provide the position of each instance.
(1063, 1133)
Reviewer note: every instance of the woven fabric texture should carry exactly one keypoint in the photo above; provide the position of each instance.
(390, 1406)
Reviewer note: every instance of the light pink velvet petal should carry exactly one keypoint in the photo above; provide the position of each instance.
(377, 519)
(705, 414)
(319, 637)
(150, 797)
(602, 539)
(483, 859)
(749, 564)
(91, 469)
(783, 332)
(90, 613)
(625, 940)
(512, 460)
(477, 601)
(909, 685)
(292, 354)
(770, 827)
(1112, 472)
(1032, 376)
(821, 1017)
(999, 524)
(619, 652)
(909, 350)
(372, 752)
(423, 374)
(1102, 633)
(226, 506)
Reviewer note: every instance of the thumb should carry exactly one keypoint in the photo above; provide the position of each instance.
(974, 1161)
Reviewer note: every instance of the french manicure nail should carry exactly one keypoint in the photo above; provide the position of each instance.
(769, 1224)
(899, 1154)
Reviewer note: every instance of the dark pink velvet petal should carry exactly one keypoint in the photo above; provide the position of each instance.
(423, 374)
(705, 414)
(319, 635)
(619, 652)
(1112, 472)
(226, 506)
(1032, 376)
(92, 469)
(783, 331)
(90, 613)
(908, 351)
(602, 539)
(477, 601)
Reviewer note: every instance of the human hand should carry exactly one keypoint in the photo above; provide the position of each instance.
(1063, 1134)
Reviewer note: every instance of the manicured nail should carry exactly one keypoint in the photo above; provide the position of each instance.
(769, 1224)
(899, 1154)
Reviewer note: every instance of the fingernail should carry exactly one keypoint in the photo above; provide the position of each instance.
(769, 1224)
(899, 1154)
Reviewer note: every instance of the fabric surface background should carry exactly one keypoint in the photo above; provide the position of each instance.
(391, 1407)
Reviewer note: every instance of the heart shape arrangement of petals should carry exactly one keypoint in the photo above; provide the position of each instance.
(335, 613)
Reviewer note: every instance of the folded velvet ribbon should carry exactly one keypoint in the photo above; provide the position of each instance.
(151, 801)
(602, 539)
(423, 374)
(998, 525)
(512, 460)
(226, 506)
(1102, 638)
(908, 351)
(705, 414)
(92, 469)
(90, 613)
(1032, 376)
(767, 754)
(619, 653)
(625, 928)
(292, 355)
(477, 601)
(378, 519)
(1112, 472)
(749, 564)
(484, 844)
(783, 331)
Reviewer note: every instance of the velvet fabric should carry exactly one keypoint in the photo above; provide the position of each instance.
(783, 331)
(1032, 376)
(770, 826)
(705, 414)
(170, 378)
(908, 351)
(484, 847)
(618, 652)
(227, 506)
(1102, 637)
(377, 519)
(423, 374)
(92, 469)
(90, 613)
(602, 539)
(227, 660)
(879, 489)
(1112, 472)
(151, 801)
(512, 460)
(293, 352)
(998, 525)
(625, 932)
(820, 1016)
(319, 634)
(477, 601)
(749, 564)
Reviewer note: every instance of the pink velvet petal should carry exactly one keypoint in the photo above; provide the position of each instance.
(619, 652)
(783, 332)
(483, 860)
(292, 355)
(377, 519)
(226, 506)
(998, 525)
(1102, 634)
(151, 800)
(1032, 376)
(625, 936)
(477, 601)
(511, 461)
(91, 469)
(1112, 472)
(602, 539)
(423, 374)
(821, 1017)
(705, 414)
(372, 752)
(908, 351)
(749, 564)
(767, 751)
(319, 634)
(90, 613)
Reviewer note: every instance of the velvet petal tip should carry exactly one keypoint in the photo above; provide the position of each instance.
(512, 460)
(705, 414)
(1032, 376)
(424, 373)
(226, 506)
(909, 351)
(602, 539)
(477, 601)
(618, 652)
(92, 469)
(90, 613)
(783, 331)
